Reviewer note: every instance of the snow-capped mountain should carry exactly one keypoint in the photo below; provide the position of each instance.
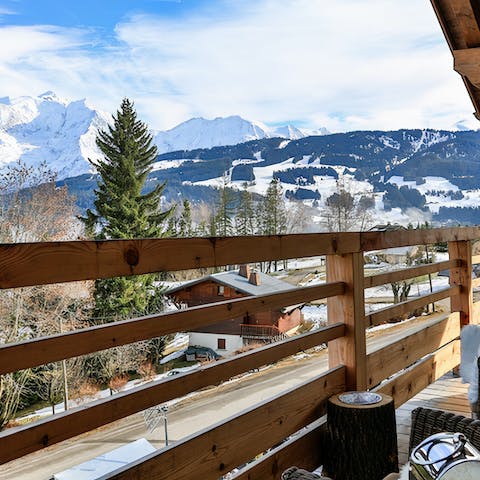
(62, 133)
(202, 133)
(51, 130)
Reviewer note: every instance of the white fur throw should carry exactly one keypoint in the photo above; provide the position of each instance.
(470, 341)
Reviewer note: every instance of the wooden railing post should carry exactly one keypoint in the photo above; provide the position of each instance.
(349, 308)
(462, 276)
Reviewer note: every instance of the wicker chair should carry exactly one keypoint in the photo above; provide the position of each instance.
(426, 422)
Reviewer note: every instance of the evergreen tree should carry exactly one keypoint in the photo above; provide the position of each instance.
(123, 211)
(244, 220)
(272, 214)
(225, 211)
(185, 221)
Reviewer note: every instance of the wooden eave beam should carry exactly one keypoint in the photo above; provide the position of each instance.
(459, 20)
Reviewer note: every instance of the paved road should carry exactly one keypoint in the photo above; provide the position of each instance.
(191, 415)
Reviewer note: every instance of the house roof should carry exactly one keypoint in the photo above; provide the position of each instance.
(268, 284)
(460, 21)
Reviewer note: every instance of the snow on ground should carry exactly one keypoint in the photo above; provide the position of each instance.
(417, 288)
(308, 262)
(431, 183)
(165, 164)
(435, 190)
(47, 411)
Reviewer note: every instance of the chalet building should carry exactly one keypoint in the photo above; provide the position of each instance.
(230, 335)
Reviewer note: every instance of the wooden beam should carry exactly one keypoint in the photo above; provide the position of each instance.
(392, 358)
(414, 379)
(235, 441)
(454, 30)
(402, 308)
(27, 264)
(461, 276)
(465, 19)
(450, 27)
(31, 353)
(402, 238)
(15, 443)
(467, 62)
(398, 275)
(349, 350)
(475, 259)
(304, 450)
(54, 262)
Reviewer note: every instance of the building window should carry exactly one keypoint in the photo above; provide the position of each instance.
(221, 344)
(221, 290)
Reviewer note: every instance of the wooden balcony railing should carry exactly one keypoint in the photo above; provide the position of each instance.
(261, 332)
(402, 369)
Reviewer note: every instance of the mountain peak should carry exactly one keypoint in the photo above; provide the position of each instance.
(199, 132)
(50, 96)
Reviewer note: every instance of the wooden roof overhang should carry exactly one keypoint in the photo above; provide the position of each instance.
(460, 20)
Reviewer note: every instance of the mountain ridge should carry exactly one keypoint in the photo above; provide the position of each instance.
(433, 172)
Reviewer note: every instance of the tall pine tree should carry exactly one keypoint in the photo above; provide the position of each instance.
(225, 211)
(185, 221)
(272, 217)
(245, 219)
(272, 214)
(123, 210)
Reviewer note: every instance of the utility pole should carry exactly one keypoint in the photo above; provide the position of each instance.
(164, 410)
(64, 371)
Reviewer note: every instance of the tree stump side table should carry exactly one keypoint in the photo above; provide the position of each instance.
(362, 436)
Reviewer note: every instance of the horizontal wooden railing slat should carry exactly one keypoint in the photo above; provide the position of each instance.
(476, 282)
(44, 350)
(219, 449)
(26, 264)
(54, 262)
(305, 449)
(15, 443)
(476, 313)
(414, 379)
(475, 259)
(408, 306)
(402, 238)
(398, 275)
(398, 355)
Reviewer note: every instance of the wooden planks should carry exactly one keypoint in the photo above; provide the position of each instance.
(31, 353)
(402, 308)
(349, 350)
(401, 238)
(419, 376)
(393, 358)
(235, 441)
(41, 263)
(304, 450)
(404, 274)
(15, 443)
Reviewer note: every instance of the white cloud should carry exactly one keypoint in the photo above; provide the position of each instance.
(348, 64)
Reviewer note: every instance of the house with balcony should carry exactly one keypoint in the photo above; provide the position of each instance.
(233, 334)
(270, 434)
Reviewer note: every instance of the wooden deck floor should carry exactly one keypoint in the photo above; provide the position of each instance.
(448, 394)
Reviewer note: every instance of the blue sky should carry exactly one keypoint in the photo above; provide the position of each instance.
(344, 65)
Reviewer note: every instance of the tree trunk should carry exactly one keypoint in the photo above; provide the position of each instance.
(362, 440)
